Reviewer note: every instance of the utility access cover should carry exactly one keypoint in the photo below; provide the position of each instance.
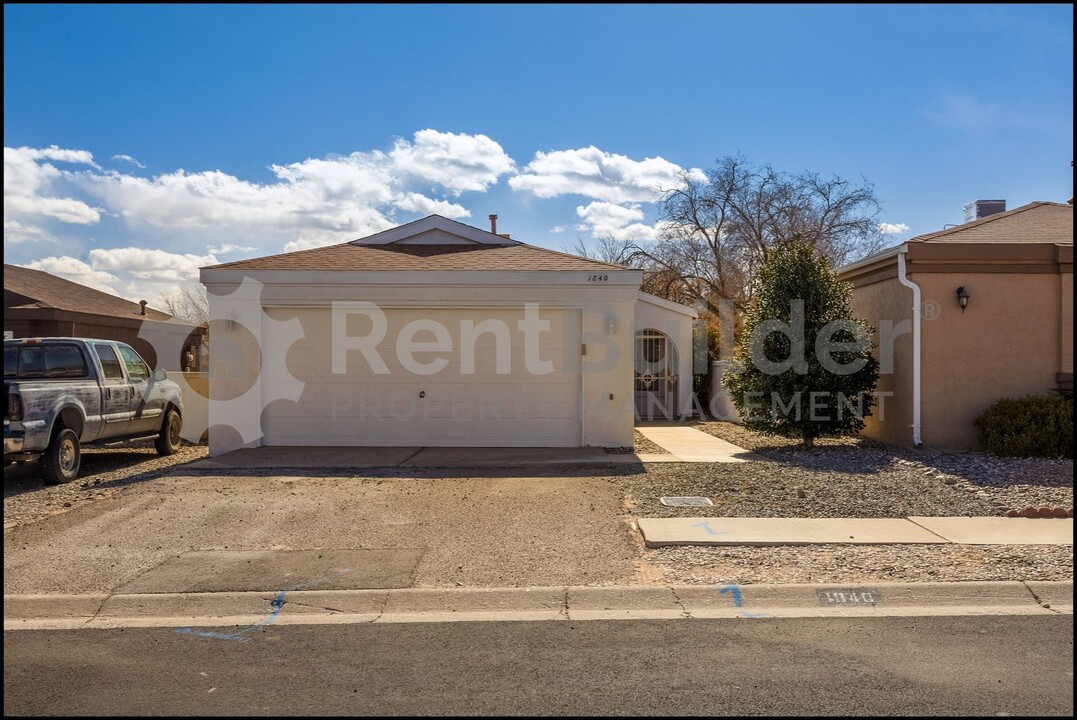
(690, 501)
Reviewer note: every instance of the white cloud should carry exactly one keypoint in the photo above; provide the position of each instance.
(227, 248)
(415, 202)
(149, 264)
(15, 233)
(309, 239)
(557, 229)
(599, 175)
(30, 185)
(77, 271)
(128, 159)
(893, 228)
(603, 219)
(129, 272)
(311, 202)
(456, 162)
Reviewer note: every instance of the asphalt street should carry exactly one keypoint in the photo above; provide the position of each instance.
(986, 665)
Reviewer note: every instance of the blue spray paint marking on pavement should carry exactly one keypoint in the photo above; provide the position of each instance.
(275, 608)
(707, 526)
(738, 601)
(735, 591)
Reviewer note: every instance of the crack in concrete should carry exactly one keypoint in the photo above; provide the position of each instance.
(677, 599)
(318, 607)
(1039, 601)
(564, 605)
(381, 610)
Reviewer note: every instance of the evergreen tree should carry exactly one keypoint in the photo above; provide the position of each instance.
(804, 366)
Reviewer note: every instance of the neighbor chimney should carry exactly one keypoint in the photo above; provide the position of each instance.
(142, 308)
(978, 209)
(493, 224)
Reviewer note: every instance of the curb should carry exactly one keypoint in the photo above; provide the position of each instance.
(305, 607)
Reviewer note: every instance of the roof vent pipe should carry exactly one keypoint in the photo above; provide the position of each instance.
(493, 224)
(142, 307)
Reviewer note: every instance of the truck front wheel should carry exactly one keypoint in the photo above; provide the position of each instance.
(61, 460)
(168, 441)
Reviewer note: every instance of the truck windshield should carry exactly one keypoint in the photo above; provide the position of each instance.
(44, 361)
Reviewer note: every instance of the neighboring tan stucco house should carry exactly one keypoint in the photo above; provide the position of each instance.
(436, 333)
(1014, 337)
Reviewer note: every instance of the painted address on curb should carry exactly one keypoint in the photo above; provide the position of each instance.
(849, 596)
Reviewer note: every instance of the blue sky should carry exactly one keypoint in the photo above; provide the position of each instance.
(141, 142)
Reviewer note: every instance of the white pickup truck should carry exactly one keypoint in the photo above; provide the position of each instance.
(63, 393)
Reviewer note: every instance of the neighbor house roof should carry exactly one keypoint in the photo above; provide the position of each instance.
(44, 291)
(1037, 222)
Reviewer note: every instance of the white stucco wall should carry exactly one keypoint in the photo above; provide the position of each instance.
(609, 320)
(675, 321)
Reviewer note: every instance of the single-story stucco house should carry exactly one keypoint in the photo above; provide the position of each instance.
(966, 316)
(436, 333)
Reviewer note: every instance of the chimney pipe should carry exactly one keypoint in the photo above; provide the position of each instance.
(493, 224)
(142, 308)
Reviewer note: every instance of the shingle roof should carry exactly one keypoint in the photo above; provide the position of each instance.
(1037, 222)
(348, 256)
(49, 291)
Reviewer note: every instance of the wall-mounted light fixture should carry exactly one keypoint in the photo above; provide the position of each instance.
(962, 298)
(611, 324)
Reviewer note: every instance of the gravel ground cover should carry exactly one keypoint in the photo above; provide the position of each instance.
(103, 472)
(860, 563)
(852, 477)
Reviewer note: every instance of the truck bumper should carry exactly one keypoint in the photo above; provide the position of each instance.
(25, 437)
(13, 441)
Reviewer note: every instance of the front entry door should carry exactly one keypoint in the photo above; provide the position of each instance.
(656, 376)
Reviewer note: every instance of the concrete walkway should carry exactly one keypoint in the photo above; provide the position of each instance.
(687, 444)
(659, 532)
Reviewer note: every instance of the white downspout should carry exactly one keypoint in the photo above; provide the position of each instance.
(916, 313)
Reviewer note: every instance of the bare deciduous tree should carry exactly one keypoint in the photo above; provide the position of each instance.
(188, 302)
(716, 234)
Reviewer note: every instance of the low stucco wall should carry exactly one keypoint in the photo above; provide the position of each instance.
(195, 389)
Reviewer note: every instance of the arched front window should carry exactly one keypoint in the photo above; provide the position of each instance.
(656, 375)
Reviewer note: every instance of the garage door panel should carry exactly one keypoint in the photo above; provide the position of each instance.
(483, 408)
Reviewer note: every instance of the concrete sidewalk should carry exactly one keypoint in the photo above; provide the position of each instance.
(251, 611)
(659, 532)
(687, 444)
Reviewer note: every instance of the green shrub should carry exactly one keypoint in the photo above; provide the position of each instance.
(1035, 426)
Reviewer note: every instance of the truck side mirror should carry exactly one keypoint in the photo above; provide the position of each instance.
(159, 374)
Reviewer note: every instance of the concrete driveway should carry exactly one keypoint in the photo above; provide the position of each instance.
(475, 527)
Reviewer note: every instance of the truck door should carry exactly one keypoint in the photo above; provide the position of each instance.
(115, 393)
(146, 410)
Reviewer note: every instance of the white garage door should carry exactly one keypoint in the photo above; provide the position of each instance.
(489, 397)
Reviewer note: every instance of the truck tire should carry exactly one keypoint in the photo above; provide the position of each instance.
(168, 440)
(61, 460)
